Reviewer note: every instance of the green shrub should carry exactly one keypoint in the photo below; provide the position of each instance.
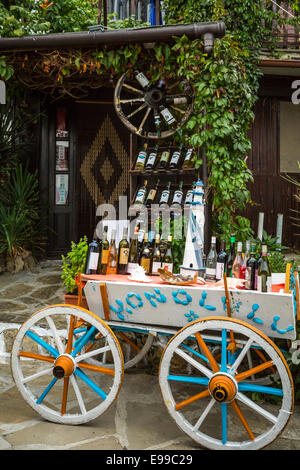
(73, 263)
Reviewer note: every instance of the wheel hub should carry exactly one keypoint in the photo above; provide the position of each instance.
(64, 366)
(154, 97)
(222, 387)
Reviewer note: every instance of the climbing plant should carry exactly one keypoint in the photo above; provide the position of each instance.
(226, 86)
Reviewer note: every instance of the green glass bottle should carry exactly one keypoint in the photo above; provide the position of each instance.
(231, 257)
(175, 159)
(164, 159)
(188, 159)
(123, 253)
(264, 278)
(141, 159)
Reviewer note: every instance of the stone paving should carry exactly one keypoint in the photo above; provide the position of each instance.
(137, 420)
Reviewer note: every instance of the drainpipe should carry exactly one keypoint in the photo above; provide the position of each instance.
(165, 33)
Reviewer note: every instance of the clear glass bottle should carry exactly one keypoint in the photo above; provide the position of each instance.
(168, 259)
(151, 195)
(141, 159)
(141, 195)
(246, 257)
(188, 159)
(178, 194)
(112, 255)
(175, 159)
(164, 160)
(211, 262)
(165, 195)
(238, 261)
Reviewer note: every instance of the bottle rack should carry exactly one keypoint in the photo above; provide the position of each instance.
(187, 175)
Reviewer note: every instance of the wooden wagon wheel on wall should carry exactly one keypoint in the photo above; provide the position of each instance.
(153, 111)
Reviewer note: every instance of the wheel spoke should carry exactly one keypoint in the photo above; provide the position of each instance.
(194, 363)
(55, 335)
(46, 391)
(78, 395)
(207, 353)
(79, 373)
(135, 90)
(253, 371)
(37, 375)
(92, 353)
(42, 343)
(177, 109)
(241, 356)
(144, 120)
(224, 422)
(65, 396)
(192, 399)
(103, 370)
(204, 415)
(242, 418)
(38, 357)
(188, 379)
(224, 351)
(131, 343)
(70, 334)
(256, 407)
(247, 387)
(133, 100)
(82, 342)
(137, 110)
(204, 358)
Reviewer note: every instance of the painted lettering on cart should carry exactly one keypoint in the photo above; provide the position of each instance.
(202, 302)
(252, 315)
(276, 319)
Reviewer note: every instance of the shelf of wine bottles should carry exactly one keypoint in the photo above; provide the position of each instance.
(150, 252)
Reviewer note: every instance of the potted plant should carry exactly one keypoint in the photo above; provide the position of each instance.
(73, 264)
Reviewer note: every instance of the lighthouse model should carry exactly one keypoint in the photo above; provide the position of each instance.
(194, 244)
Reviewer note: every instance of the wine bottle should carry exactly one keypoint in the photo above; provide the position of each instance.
(178, 194)
(189, 196)
(164, 198)
(145, 259)
(251, 269)
(123, 253)
(141, 159)
(231, 257)
(92, 257)
(264, 278)
(188, 159)
(103, 259)
(112, 255)
(133, 259)
(246, 257)
(141, 194)
(151, 195)
(211, 262)
(238, 261)
(168, 260)
(174, 162)
(156, 258)
(167, 115)
(142, 79)
(151, 159)
(221, 261)
(163, 162)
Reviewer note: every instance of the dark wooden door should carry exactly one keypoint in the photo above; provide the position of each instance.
(103, 161)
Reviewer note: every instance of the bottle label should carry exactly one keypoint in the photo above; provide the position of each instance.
(141, 158)
(165, 156)
(151, 159)
(210, 274)
(264, 283)
(142, 79)
(220, 271)
(168, 266)
(93, 261)
(140, 195)
(145, 263)
(175, 158)
(155, 266)
(164, 196)
(188, 155)
(124, 253)
(166, 114)
(131, 267)
(151, 194)
(189, 196)
(104, 257)
(177, 196)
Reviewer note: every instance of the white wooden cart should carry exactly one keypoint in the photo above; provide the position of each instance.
(68, 362)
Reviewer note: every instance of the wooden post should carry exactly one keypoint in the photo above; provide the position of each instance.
(157, 12)
(260, 225)
(105, 12)
(287, 278)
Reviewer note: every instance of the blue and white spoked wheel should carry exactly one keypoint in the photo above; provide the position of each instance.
(51, 363)
(216, 404)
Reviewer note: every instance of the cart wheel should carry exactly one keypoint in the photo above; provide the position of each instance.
(50, 365)
(251, 415)
(153, 111)
(134, 345)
